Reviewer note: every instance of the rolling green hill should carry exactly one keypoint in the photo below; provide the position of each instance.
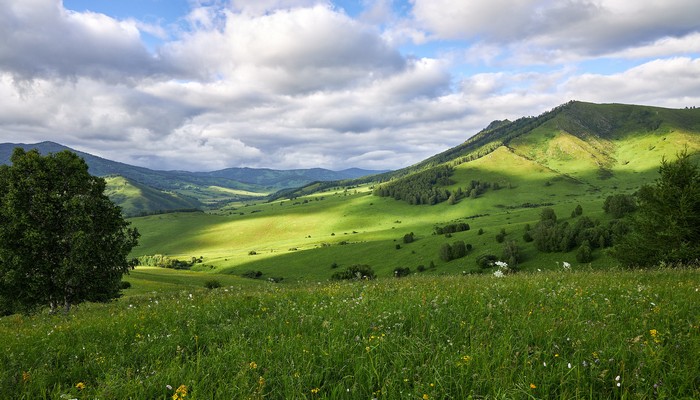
(577, 154)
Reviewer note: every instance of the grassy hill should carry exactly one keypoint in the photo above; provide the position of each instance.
(138, 199)
(576, 154)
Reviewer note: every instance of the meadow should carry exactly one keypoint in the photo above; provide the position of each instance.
(548, 335)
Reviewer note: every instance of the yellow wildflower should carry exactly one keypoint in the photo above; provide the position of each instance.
(26, 377)
(80, 385)
(425, 396)
(532, 386)
(315, 390)
(253, 365)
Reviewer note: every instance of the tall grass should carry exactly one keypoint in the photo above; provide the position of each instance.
(624, 335)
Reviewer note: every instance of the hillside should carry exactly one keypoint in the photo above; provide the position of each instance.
(499, 181)
(183, 189)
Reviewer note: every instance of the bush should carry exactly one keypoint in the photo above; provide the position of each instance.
(408, 238)
(252, 274)
(124, 285)
(401, 272)
(486, 260)
(212, 284)
(355, 272)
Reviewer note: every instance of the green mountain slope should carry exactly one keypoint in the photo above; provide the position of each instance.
(137, 199)
(577, 154)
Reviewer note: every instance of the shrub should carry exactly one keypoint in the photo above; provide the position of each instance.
(252, 274)
(486, 260)
(212, 284)
(408, 238)
(124, 285)
(401, 272)
(355, 272)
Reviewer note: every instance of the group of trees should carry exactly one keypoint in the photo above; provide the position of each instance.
(419, 188)
(454, 251)
(550, 235)
(162, 261)
(451, 228)
(62, 241)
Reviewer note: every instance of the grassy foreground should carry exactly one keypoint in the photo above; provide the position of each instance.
(625, 335)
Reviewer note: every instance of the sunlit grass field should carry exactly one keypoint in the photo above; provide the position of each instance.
(549, 335)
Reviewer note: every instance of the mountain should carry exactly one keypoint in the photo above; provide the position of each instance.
(152, 190)
(570, 140)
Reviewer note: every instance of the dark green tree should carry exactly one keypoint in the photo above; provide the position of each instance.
(619, 205)
(62, 241)
(666, 226)
(584, 254)
(445, 252)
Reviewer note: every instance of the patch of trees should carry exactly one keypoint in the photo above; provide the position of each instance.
(409, 238)
(419, 188)
(355, 272)
(620, 205)
(162, 261)
(451, 228)
(454, 251)
(666, 226)
(550, 235)
(62, 241)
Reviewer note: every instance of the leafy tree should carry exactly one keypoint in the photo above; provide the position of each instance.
(584, 254)
(619, 205)
(445, 252)
(62, 241)
(666, 227)
(511, 253)
(459, 249)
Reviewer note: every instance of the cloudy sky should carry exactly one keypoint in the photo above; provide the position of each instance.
(210, 84)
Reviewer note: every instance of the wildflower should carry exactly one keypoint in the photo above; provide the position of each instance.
(315, 390)
(26, 377)
(617, 379)
(180, 393)
(168, 387)
(80, 385)
(261, 381)
(253, 365)
(532, 386)
(566, 266)
(655, 335)
(498, 274)
(425, 396)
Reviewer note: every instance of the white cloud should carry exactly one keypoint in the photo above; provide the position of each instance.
(290, 84)
(42, 39)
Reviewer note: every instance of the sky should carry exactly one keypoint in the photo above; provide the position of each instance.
(202, 85)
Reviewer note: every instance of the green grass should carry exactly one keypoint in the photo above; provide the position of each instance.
(551, 335)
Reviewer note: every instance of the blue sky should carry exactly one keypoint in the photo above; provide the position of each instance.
(210, 84)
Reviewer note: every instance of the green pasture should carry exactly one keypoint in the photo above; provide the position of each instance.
(549, 335)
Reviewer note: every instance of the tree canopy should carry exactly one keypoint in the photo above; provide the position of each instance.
(62, 241)
(666, 227)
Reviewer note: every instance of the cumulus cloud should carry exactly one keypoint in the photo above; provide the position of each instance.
(579, 28)
(302, 83)
(42, 39)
